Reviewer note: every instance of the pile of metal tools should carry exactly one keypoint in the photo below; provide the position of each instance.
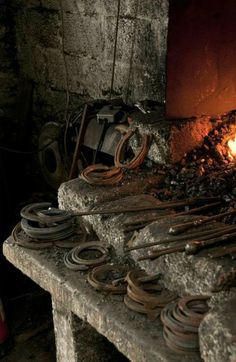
(145, 295)
(109, 278)
(100, 174)
(142, 293)
(167, 209)
(43, 226)
(181, 321)
(216, 241)
(75, 259)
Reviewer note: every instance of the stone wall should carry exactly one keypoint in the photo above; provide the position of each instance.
(8, 80)
(85, 29)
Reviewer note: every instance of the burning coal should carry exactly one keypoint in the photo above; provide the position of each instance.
(232, 148)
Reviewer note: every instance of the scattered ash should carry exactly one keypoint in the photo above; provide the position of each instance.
(206, 171)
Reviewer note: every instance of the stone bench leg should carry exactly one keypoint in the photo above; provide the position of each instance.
(77, 341)
(65, 337)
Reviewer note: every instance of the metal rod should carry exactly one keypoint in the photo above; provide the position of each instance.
(156, 254)
(115, 48)
(179, 228)
(139, 225)
(79, 142)
(195, 246)
(161, 206)
(225, 250)
(193, 236)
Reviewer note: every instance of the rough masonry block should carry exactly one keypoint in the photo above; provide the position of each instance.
(38, 27)
(171, 139)
(84, 35)
(186, 274)
(217, 333)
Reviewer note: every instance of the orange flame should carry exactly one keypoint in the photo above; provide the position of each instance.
(232, 148)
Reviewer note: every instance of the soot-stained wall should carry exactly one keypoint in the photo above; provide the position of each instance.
(89, 32)
(201, 57)
(8, 65)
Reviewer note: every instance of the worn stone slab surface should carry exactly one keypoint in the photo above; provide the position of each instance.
(111, 228)
(64, 332)
(185, 274)
(218, 333)
(77, 194)
(171, 139)
(133, 335)
(76, 340)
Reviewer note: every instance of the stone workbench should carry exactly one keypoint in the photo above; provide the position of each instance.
(133, 334)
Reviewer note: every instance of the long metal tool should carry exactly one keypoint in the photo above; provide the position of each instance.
(180, 228)
(115, 48)
(229, 249)
(132, 226)
(161, 206)
(165, 251)
(182, 213)
(202, 235)
(195, 246)
(79, 142)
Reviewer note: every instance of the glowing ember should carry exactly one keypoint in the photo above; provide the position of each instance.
(232, 148)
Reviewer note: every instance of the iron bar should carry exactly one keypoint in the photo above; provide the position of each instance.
(180, 228)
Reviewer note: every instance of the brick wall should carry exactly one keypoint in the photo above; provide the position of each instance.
(89, 29)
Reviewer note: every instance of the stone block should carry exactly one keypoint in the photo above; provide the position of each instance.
(8, 83)
(84, 35)
(171, 140)
(77, 194)
(6, 61)
(52, 4)
(132, 9)
(26, 60)
(85, 7)
(76, 340)
(3, 30)
(121, 84)
(27, 3)
(124, 41)
(47, 102)
(63, 321)
(143, 51)
(149, 61)
(89, 76)
(89, 7)
(133, 334)
(84, 75)
(217, 333)
(155, 10)
(56, 69)
(186, 274)
(39, 27)
(33, 62)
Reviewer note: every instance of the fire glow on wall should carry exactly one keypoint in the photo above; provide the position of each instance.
(201, 72)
